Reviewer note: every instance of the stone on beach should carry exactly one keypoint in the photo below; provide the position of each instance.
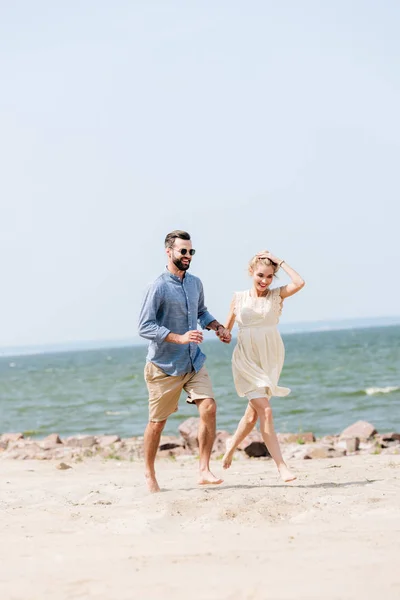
(256, 450)
(219, 446)
(51, 441)
(322, 451)
(254, 436)
(170, 442)
(390, 437)
(352, 444)
(107, 440)
(189, 431)
(294, 445)
(81, 441)
(361, 429)
(11, 437)
(173, 452)
(253, 445)
(26, 450)
(171, 446)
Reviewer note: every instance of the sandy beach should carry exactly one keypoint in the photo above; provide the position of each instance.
(92, 531)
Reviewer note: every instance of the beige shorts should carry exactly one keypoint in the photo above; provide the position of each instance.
(165, 390)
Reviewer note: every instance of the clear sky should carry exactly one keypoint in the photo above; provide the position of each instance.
(252, 125)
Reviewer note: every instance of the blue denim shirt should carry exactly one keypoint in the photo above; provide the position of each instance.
(173, 305)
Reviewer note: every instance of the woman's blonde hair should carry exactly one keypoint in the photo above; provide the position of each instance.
(256, 260)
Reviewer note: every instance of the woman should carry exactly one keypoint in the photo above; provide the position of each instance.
(258, 357)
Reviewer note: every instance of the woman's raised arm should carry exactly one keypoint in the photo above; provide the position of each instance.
(297, 282)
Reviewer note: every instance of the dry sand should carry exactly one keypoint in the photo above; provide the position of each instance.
(92, 532)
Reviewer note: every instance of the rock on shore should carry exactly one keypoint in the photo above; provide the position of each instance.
(359, 438)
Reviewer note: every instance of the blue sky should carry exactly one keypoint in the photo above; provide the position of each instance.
(252, 125)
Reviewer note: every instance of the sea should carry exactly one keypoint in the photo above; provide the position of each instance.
(336, 378)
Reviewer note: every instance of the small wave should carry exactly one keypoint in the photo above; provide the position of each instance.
(372, 391)
(114, 412)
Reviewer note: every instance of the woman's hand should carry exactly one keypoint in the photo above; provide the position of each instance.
(270, 256)
(224, 334)
(297, 282)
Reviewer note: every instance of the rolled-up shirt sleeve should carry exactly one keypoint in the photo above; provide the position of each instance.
(148, 327)
(203, 316)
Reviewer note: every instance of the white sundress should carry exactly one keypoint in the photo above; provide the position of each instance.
(258, 356)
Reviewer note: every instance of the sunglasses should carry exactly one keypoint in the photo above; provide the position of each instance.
(184, 251)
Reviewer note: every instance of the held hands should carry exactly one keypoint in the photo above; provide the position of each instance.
(196, 337)
(224, 335)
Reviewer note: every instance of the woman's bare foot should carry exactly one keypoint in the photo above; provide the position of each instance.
(228, 456)
(207, 478)
(152, 484)
(286, 474)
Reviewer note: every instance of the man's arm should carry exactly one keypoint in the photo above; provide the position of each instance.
(220, 331)
(148, 327)
(207, 321)
(150, 330)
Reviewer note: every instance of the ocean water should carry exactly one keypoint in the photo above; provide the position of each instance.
(336, 377)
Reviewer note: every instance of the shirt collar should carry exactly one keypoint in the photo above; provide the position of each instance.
(175, 277)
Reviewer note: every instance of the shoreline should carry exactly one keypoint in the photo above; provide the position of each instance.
(359, 439)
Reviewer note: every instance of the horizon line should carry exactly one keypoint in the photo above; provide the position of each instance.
(319, 326)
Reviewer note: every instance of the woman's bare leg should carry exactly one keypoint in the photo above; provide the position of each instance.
(246, 425)
(264, 412)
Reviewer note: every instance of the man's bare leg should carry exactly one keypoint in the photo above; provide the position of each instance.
(264, 411)
(207, 413)
(246, 425)
(151, 443)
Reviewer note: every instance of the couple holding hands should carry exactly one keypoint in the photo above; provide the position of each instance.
(171, 309)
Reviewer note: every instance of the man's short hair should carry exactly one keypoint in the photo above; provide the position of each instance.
(171, 237)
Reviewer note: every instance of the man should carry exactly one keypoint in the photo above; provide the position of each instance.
(172, 306)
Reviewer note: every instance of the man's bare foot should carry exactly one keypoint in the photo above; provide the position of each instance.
(228, 456)
(286, 474)
(152, 484)
(207, 478)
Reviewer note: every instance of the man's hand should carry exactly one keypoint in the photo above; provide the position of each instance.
(191, 337)
(224, 335)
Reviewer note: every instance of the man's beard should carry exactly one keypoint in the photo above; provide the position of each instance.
(180, 265)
